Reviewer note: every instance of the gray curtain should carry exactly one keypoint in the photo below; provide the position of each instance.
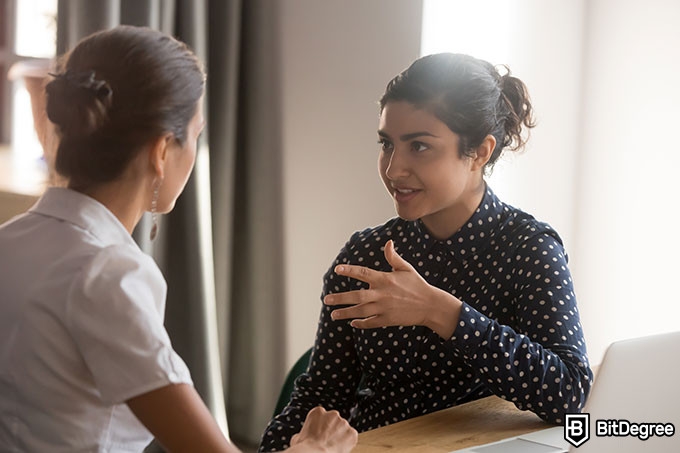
(220, 249)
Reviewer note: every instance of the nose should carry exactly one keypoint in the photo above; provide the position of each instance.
(397, 166)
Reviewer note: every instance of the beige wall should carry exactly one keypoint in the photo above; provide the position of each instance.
(337, 57)
(626, 260)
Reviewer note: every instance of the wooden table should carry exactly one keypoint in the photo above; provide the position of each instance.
(475, 423)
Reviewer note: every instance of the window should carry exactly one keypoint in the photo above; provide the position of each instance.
(27, 41)
(480, 28)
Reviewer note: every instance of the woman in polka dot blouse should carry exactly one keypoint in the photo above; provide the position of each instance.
(459, 297)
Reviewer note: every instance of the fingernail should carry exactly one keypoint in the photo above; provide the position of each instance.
(340, 269)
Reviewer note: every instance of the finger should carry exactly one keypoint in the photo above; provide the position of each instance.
(362, 273)
(316, 412)
(371, 322)
(357, 311)
(396, 261)
(351, 297)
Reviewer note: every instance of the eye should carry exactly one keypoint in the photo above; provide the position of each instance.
(385, 145)
(419, 147)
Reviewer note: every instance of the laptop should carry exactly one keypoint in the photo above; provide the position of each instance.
(634, 405)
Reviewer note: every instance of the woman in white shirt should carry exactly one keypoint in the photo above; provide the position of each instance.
(85, 361)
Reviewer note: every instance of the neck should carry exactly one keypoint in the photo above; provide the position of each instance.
(443, 224)
(126, 199)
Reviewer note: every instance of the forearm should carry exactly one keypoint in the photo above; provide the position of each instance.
(549, 377)
(310, 392)
(331, 382)
(177, 417)
(281, 429)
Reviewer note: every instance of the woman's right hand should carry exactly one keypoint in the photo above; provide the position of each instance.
(324, 431)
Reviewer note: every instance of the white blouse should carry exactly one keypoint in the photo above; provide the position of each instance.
(81, 329)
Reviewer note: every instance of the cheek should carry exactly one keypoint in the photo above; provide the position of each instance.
(185, 164)
(176, 179)
(454, 178)
(188, 165)
(383, 161)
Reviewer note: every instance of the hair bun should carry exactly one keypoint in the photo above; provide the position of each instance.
(515, 95)
(78, 102)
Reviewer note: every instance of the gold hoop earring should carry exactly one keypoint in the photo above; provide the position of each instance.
(154, 214)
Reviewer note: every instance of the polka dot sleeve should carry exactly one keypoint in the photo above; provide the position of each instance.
(539, 362)
(332, 377)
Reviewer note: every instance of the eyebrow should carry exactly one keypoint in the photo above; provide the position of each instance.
(411, 136)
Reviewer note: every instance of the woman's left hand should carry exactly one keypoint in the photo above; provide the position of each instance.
(398, 298)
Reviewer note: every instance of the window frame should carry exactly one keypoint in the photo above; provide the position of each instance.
(8, 57)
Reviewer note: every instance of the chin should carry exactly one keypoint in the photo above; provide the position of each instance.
(408, 216)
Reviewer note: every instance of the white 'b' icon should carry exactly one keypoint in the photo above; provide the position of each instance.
(577, 429)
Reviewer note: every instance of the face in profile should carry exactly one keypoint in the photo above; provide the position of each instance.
(420, 165)
(180, 162)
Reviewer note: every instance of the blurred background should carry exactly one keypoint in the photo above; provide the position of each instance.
(601, 166)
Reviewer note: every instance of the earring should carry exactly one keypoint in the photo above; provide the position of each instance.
(154, 214)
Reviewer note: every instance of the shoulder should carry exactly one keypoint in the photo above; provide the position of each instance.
(523, 236)
(518, 227)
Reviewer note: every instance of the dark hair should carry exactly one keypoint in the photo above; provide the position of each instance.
(468, 95)
(115, 92)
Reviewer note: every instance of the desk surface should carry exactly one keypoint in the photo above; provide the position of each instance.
(475, 423)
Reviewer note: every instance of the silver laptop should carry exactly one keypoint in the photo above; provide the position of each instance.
(634, 406)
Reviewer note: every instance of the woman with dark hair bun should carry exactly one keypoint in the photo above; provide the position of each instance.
(462, 295)
(85, 361)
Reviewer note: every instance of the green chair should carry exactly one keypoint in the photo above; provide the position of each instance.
(289, 384)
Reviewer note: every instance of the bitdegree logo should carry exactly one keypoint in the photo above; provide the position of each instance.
(624, 428)
(577, 429)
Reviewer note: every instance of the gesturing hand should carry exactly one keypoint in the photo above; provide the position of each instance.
(398, 298)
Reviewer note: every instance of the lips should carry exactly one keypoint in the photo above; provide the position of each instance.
(403, 194)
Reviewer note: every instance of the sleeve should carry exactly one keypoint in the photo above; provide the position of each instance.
(333, 374)
(115, 316)
(540, 362)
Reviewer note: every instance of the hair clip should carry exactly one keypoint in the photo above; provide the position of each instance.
(86, 80)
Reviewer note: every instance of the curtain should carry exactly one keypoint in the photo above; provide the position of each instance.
(220, 249)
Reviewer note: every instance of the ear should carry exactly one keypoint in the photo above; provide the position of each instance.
(483, 152)
(158, 154)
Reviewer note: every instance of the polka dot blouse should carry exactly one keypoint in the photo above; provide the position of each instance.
(519, 335)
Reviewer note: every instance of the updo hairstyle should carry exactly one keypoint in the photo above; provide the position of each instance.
(470, 96)
(114, 93)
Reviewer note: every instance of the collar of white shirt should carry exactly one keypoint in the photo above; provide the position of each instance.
(85, 212)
